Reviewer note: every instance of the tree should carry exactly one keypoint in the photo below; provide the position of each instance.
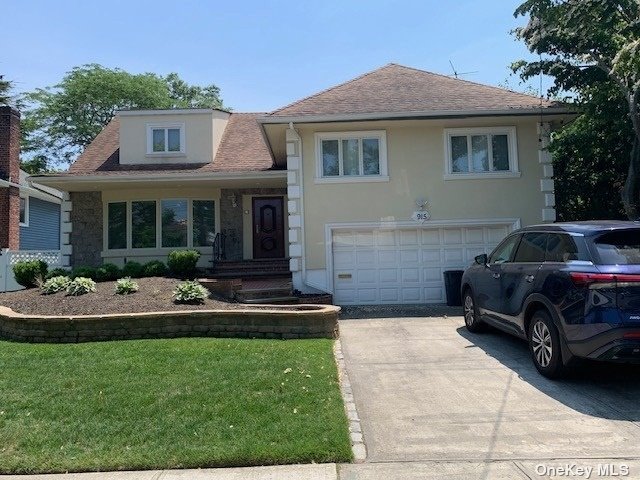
(591, 157)
(5, 90)
(60, 121)
(35, 165)
(592, 49)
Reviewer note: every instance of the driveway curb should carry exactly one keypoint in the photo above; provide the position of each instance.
(355, 429)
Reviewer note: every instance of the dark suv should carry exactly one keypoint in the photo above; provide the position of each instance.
(569, 289)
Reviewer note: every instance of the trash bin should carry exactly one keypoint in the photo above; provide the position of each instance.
(452, 281)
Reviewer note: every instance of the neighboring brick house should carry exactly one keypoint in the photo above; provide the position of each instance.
(29, 212)
(368, 190)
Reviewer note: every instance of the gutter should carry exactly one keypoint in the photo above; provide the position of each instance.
(438, 114)
(70, 178)
(31, 190)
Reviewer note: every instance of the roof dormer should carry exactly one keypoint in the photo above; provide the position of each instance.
(177, 136)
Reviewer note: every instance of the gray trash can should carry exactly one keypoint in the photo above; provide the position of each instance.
(452, 281)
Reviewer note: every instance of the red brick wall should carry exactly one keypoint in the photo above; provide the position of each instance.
(9, 170)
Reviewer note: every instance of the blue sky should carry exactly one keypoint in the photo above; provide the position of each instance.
(262, 54)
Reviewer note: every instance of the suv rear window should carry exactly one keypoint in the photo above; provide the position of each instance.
(618, 248)
(562, 247)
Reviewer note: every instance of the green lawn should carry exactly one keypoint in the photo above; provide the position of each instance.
(176, 403)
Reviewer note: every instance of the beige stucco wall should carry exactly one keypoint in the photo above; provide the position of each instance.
(416, 165)
(203, 132)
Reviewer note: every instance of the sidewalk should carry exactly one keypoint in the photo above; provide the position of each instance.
(325, 471)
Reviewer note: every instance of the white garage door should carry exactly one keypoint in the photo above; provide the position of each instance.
(405, 265)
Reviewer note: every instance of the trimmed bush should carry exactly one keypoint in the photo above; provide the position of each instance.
(55, 285)
(81, 286)
(57, 272)
(108, 272)
(29, 273)
(125, 286)
(190, 292)
(133, 270)
(155, 268)
(182, 263)
(84, 272)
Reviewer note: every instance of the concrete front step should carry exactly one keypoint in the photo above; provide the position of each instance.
(250, 274)
(260, 294)
(272, 300)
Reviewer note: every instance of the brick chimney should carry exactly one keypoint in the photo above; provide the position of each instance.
(10, 171)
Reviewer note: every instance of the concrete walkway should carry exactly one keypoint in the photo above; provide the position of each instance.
(327, 471)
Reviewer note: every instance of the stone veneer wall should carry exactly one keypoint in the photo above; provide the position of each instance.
(85, 236)
(306, 322)
(231, 217)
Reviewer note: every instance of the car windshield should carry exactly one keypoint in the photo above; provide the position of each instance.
(619, 248)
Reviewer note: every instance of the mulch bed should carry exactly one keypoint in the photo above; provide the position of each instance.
(154, 295)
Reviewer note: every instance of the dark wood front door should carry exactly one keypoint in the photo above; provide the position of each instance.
(268, 227)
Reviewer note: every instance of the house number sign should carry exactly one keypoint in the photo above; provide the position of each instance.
(420, 216)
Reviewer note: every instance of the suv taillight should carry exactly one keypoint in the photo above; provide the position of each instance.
(581, 279)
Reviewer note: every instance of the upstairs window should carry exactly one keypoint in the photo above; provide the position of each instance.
(165, 139)
(481, 152)
(351, 156)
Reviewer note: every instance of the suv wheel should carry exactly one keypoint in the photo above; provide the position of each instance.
(544, 345)
(471, 317)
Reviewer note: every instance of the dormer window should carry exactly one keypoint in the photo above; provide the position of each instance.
(165, 139)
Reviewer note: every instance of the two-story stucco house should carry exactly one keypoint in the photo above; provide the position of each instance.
(370, 189)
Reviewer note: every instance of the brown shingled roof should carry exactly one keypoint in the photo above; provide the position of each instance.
(243, 148)
(396, 89)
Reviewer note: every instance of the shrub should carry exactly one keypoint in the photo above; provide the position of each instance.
(55, 285)
(133, 270)
(80, 286)
(84, 272)
(108, 272)
(182, 263)
(125, 286)
(57, 272)
(190, 292)
(29, 273)
(155, 268)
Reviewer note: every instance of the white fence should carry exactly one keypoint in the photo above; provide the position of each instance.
(8, 258)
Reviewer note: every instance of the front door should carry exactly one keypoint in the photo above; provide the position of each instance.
(268, 227)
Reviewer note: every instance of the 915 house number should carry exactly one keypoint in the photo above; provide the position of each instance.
(420, 216)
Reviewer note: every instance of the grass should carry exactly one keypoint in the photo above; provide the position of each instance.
(176, 403)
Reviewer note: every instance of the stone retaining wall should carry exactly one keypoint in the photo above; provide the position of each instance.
(311, 321)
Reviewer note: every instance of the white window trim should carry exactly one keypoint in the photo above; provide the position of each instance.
(381, 135)
(166, 127)
(158, 248)
(512, 139)
(26, 211)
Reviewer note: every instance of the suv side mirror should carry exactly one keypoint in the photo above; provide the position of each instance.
(482, 259)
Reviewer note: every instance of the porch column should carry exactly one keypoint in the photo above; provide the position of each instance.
(547, 185)
(10, 171)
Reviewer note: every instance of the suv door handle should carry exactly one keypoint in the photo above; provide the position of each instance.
(529, 278)
(496, 275)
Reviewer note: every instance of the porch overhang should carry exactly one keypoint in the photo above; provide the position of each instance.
(97, 182)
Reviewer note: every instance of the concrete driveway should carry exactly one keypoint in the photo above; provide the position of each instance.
(436, 401)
